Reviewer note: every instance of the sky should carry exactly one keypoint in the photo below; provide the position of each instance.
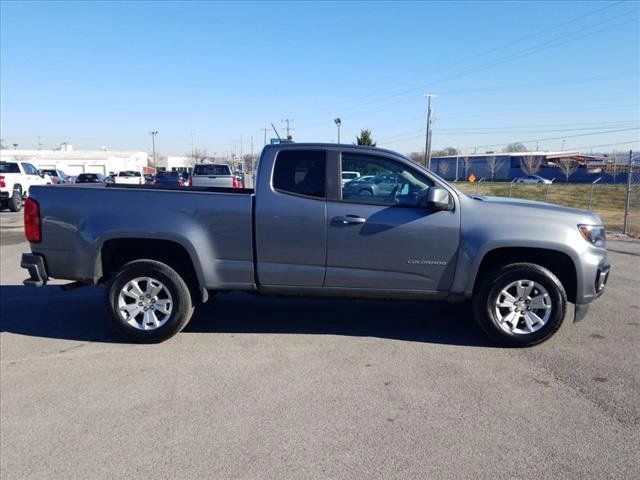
(211, 75)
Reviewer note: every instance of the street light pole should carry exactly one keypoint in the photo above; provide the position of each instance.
(338, 122)
(153, 146)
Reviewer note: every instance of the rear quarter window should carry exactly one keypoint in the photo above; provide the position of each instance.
(6, 167)
(302, 172)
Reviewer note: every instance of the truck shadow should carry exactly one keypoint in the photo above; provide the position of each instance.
(49, 312)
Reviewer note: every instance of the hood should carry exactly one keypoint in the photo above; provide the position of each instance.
(528, 206)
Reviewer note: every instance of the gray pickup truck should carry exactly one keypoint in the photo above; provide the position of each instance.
(161, 250)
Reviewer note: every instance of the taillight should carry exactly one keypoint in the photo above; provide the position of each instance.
(236, 183)
(190, 182)
(32, 220)
(2, 184)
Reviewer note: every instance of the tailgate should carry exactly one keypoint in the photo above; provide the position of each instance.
(212, 181)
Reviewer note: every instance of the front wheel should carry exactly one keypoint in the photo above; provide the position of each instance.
(521, 304)
(148, 301)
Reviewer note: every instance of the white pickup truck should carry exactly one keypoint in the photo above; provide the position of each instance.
(15, 180)
(213, 175)
(129, 177)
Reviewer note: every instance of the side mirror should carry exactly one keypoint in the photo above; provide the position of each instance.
(41, 173)
(437, 199)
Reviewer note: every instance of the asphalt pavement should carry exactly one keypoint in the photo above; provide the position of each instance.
(314, 388)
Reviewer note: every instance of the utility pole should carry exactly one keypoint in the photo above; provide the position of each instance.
(427, 142)
(251, 158)
(338, 122)
(39, 143)
(193, 152)
(289, 127)
(627, 202)
(563, 140)
(265, 130)
(153, 134)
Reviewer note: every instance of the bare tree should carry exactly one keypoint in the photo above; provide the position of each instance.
(445, 152)
(493, 165)
(197, 156)
(515, 147)
(443, 167)
(567, 166)
(530, 164)
(417, 157)
(466, 162)
(249, 162)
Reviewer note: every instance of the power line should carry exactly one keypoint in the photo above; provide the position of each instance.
(523, 141)
(484, 53)
(526, 52)
(558, 138)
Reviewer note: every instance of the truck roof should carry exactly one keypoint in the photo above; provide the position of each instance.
(331, 146)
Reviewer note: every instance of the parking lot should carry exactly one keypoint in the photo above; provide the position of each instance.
(307, 388)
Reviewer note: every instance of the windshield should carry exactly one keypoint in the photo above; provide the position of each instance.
(129, 173)
(212, 170)
(9, 168)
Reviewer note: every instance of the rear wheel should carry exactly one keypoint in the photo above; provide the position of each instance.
(521, 304)
(148, 301)
(15, 202)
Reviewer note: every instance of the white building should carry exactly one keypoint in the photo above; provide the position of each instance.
(178, 163)
(74, 162)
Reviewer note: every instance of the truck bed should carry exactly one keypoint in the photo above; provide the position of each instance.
(213, 225)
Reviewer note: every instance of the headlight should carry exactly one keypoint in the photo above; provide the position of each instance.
(593, 234)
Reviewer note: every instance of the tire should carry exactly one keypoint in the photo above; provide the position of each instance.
(15, 202)
(519, 323)
(148, 321)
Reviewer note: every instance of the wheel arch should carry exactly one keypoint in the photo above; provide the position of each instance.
(558, 262)
(116, 252)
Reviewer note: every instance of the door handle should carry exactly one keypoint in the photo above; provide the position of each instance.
(349, 219)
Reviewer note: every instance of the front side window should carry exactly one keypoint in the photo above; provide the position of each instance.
(29, 169)
(302, 172)
(382, 181)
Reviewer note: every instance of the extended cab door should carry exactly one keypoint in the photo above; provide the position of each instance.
(381, 238)
(290, 217)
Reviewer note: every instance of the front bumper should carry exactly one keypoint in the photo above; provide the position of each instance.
(602, 276)
(4, 195)
(37, 271)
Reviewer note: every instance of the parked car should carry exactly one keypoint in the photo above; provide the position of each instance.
(348, 176)
(169, 178)
(297, 235)
(534, 179)
(16, 180)
(57, 176)
(213, 175)
(375, 187)
(93, 178)
(129, 177)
